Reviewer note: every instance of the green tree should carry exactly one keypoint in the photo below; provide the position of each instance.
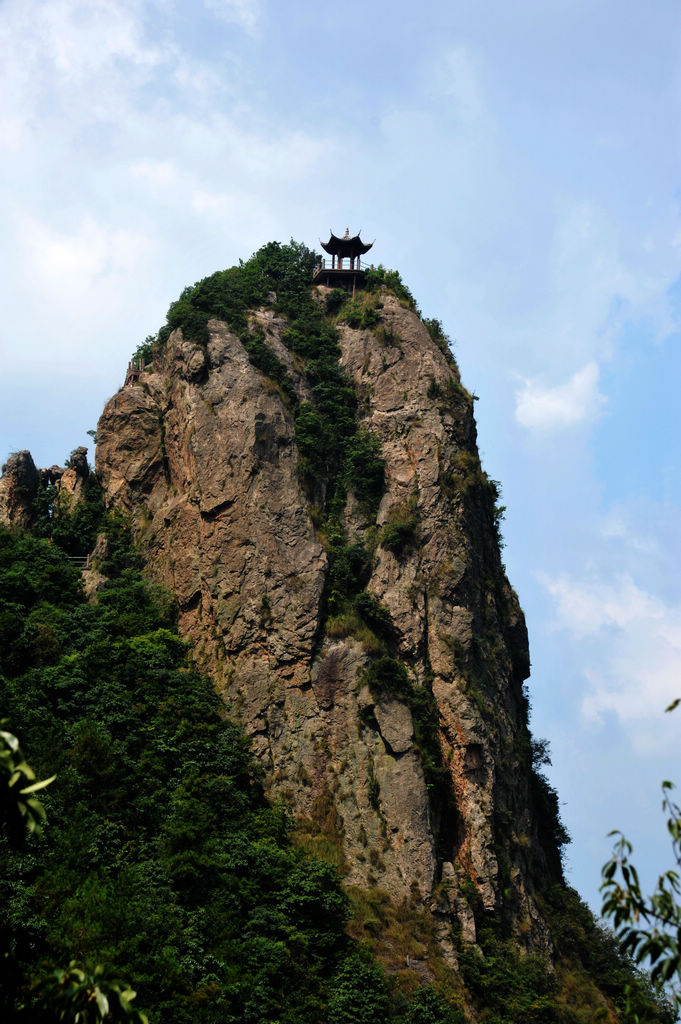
(359, 994)
(648, 927)
(427, 1007)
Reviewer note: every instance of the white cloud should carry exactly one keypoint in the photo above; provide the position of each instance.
(79, 39)
(121, 146)
(587, 609)
(72, 56)
(633, 641)
(230, 209)
(155, 172)
(80, 272)
(245, 13)
(12, 133)
(585, 288)
(593, 278)
(600, 276)
(640, 536)
(550, 408)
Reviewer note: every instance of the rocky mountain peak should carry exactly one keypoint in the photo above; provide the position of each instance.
(303, 475)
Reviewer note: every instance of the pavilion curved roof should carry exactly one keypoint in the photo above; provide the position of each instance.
(345, 246)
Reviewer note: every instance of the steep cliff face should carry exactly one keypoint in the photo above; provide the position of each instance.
(395, 725)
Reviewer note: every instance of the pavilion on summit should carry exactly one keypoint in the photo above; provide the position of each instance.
(346, 269)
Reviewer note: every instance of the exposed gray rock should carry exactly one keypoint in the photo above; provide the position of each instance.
(395, 725)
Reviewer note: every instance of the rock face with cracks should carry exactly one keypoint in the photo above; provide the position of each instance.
(201, 453)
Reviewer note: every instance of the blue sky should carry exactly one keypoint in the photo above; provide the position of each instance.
(518, 162)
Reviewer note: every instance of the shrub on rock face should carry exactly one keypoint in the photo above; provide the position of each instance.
(335, 299)
(398, 534)
(364, 470)
(353, 315)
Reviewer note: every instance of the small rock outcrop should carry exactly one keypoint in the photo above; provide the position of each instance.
(21, 481)
(18, 487)
(420, 785)
(72, 479)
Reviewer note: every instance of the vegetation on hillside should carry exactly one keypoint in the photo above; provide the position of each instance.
(161, 855)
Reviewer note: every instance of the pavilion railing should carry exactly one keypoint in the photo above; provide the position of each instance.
(340, 264)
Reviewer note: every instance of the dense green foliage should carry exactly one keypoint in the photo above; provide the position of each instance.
(161, 855)
(74, 529)
(551, 830)
(510, 986)
(285, 270)
(399, 532)
(379, 277)
(587, 950)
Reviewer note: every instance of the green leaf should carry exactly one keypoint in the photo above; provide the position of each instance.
(11, 741)
(102, 1002)
(38, 785)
